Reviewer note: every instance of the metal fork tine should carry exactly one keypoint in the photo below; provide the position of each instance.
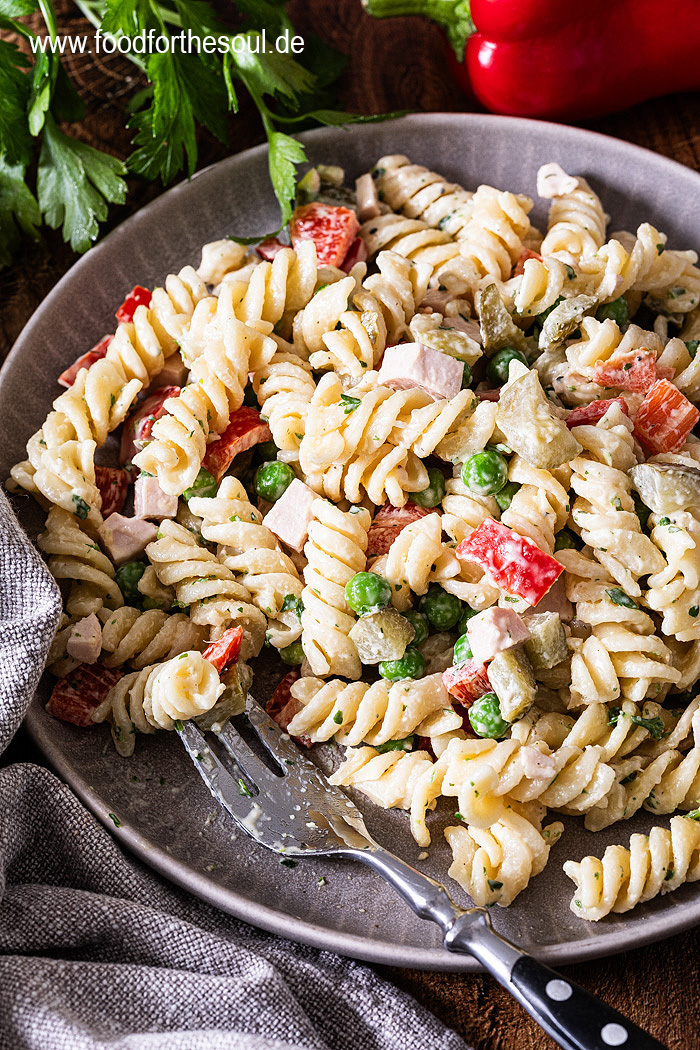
(245, 757)
(278, 743)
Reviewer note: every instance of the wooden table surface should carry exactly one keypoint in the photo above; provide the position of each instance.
(400, 64)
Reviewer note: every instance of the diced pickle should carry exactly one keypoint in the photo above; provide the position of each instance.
(525, 418)
(546, 645)
(513, 681)
(382, 635)
(237, 682)
(564, 319)
(667, 487)
(497, 326)
(453, 343)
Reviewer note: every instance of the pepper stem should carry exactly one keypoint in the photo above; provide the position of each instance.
(454, 16)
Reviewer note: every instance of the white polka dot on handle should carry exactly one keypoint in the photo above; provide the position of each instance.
(614, 1035)
(558, 990)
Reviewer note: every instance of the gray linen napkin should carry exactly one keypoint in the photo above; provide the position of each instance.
(98, 952)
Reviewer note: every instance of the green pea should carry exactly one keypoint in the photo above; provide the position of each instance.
(465, 618)
(267, 450)
(504, 498)
(411, 665)
(367, 592)
(432, 495)
(692, 347)
(273, 479)
(466, 375)
(485, 717)
(463, 650)
(497, 368)
(204, 485)
(566, 541)
(419, 623)
(127, 577)
(485, 472)
(292, 654)
(617, 311)
(442, 609)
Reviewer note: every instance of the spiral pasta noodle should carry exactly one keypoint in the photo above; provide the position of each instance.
(252, 553)
(387, 779)
(142, 638)
(208, 588)
(74, 556)
(335, 551)
(576, 223)
(540, 507)
(674, 592)
(158, 696)
(416, 558)
(420, 193)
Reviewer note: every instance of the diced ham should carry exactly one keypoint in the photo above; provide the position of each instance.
(331, 228)
(85, 640)
(467, 682)
(291, 515)
(367, 198)
(150, 501)
(244, 430)
(634, 370)
(524, 256)
(357, 252)
(113, 485)
(409, 365)
(76, 696)
(138, 296)
(664, 419)
(125, 539)
(137, 428)
(85, 360)
(225, 650)
(555, 601)
(535, 764)
(590, 414)
(463, 324)
(488, 395)
(553, 181)
(513, 562)
(173, 373)
(270, 248)
(494, 630)
(388, 523)
(282, 706)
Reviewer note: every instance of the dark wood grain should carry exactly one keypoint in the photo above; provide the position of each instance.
(400, 64)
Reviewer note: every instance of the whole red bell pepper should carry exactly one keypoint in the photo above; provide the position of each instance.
(565, 59)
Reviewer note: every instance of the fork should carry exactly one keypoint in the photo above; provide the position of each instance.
(298, 813)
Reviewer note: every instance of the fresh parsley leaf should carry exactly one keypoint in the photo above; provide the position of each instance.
(349, 403)
(14, 91)
(268, 14)
(270, 73)
(654, 726)
(19, 211)
(406, 744)
(618, 597)
(75, 183)
(284, 156)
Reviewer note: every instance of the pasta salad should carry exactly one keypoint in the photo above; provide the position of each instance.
(445, 465)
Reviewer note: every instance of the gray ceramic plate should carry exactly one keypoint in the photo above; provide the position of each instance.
(167, 817)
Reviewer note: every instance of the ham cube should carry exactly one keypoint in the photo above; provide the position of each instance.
(367, 198)
(150, 501)
(553, 181)
(494, 630)
(173, 373)
(411, 364)
(125, 539)
(467, 682)
(85, 640)
(291, 515)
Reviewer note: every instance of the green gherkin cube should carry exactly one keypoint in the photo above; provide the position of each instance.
(546, 646)
(513, 681)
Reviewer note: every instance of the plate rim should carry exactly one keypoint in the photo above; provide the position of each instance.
(607, 941)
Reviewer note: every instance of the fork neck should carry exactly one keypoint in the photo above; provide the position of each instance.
(427, 897)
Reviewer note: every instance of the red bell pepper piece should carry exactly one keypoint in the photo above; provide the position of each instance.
(467, 682)
(524, 256)
(282, 706)
(388, 523)
(537, 58)
(357, 252)
(98, 351)
(664, 419)
(590, 414)
(137, 428)
(331, 228)
(225, 650)
(270, 248)
(634, 370)
(113, 485)
(76, 696)
(513, 562)
(138, 296)
(244, 430)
